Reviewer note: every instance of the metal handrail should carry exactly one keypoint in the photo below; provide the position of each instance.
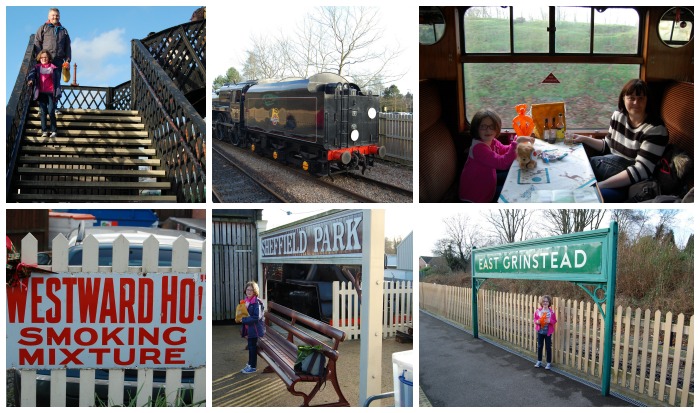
(16, 114)
(193, 178)
(370, 399)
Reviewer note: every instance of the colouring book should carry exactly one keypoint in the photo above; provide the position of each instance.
(533, 176)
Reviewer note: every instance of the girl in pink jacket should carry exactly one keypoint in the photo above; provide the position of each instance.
(544, 319)
(486, 154)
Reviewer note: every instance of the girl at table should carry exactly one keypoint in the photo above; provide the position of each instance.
(478, 181)
(253, 325)
(633, 146)
(545, 319)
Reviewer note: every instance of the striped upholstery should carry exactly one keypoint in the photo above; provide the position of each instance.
(437, 159)
(677, 113)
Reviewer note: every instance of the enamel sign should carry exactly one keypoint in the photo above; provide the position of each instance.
(107, 321)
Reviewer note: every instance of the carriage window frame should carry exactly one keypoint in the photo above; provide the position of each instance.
(529, 57)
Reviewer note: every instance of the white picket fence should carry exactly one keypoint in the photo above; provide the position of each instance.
(120, 265)
(398, 308)
(396, 135)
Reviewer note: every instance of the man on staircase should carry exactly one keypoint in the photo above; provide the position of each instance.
(54, 38)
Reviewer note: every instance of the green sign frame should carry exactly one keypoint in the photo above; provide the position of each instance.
(587, 259)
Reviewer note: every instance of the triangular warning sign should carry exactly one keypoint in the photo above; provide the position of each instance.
(550, 79)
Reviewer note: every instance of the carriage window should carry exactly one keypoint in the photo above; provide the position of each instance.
(486, 30)
(589, 93)
(431, 25)
(238, 96)
(615, 30)
(676, 27)
(600, 47)
(530, 29)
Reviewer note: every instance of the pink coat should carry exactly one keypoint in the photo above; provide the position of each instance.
(552, 321)
(478, 180)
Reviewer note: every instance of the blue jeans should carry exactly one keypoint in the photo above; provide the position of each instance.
(547, 341)
(253, 352)
(606, 166)
(47, 104)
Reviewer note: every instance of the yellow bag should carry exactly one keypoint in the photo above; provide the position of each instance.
(241, 311)
(549, 111)
(66, 71)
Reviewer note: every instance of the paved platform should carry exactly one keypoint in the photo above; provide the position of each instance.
(458, 370)
(230, 387)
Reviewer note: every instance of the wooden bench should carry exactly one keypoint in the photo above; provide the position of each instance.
(280, 351)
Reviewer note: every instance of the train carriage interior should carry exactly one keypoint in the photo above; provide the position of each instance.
(495, 57)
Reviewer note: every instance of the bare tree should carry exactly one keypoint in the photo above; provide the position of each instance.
(567, 221)
(266, 59)
(456, 247)
(348, 41)
(632, 223)
(509, 225)
(391, 244)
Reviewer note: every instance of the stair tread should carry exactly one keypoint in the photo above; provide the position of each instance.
(94, 198)
(97, 140)
(51, 150)
(89, 118)
(70, 125)
(92, 172)
(81, 160)
(29, 133)
(102, 184)
(106, 112)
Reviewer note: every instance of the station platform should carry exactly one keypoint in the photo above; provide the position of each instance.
(458, 370)
(230, 387)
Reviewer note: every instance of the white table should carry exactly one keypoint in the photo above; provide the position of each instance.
(569, 179)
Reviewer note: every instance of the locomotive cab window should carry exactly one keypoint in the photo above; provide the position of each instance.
(510, 51)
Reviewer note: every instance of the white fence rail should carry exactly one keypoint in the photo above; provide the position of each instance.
(172, 386)
(398, 308)
(396, 135)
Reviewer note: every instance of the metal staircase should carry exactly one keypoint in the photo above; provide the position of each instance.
(141, 141)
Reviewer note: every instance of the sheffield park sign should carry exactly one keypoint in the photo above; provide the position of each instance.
(334, 237)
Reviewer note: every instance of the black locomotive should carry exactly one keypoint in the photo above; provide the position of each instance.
(323, 124)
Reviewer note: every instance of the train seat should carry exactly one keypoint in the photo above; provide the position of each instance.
(676, 109)
(437, 152)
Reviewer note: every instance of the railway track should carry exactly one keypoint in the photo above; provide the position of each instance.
(285, 178)
(250, 187)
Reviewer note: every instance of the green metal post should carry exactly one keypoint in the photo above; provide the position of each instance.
(610, 308)
(475, 312)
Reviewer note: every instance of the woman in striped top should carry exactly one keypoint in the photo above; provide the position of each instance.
(633, 146)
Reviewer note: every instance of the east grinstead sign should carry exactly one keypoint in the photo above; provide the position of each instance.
(154, 320)
(577, 261)
(332, 234)
(579, 257)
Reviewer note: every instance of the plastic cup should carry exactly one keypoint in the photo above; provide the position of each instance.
(569, 138)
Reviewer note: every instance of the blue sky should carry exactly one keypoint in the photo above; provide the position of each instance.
(100, 37)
